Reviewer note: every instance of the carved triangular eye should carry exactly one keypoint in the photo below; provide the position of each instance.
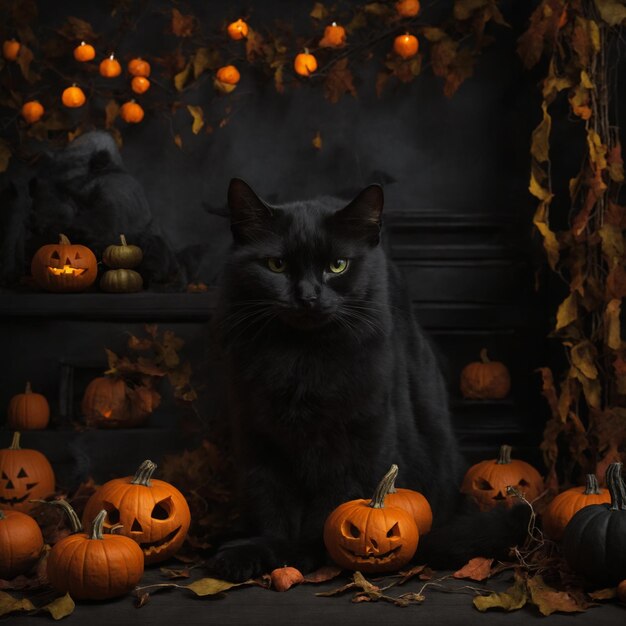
(113, 515)
(4, 476)
(22, 473)
(77, 256)
(482, 484)
(136, 527)
(348, 529)
(394, 531)
(162, 509)
(55, 255)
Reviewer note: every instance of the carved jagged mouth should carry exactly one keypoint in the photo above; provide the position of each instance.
(372, 558)
(13, 501)
(150, 547)
(67, 270)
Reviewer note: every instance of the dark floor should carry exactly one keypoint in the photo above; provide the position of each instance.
(254, 606)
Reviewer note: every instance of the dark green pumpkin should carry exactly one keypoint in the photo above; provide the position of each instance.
(594, 544)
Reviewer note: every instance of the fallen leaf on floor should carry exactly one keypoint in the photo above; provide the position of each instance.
(477, 569)
(9, 604)
(604, 594)
(173, 574)
(515, 597)
(321, 575)
(549, 600)
(414, 571)
(60, 607)
(212, 586)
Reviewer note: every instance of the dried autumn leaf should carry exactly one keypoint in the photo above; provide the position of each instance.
(597, 150)
(254, 46)
(339, 81)
(515, 597)
(616, 163)
(567, 311)
(612, 242)
(477, 569)
(24, 60)
(173, 574)
(60, 607)
(613, 12)
(319, 11)
(223, 87)
(212, 586)
(543, 28)
(378, 9)
(540, 143)
(613, 324)
(317, 141)
(604, 594)
(9, 604)
(78, 30)
(549, 600)
(182, 77)
(182, 25)
(198, 118)
(111, 111)
(550, 242)
(583, 357)
(323, 574)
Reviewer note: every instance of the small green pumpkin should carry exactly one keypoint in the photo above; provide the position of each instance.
(122, 256)
(121, 281)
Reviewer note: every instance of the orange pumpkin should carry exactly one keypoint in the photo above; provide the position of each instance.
(406, 45)
(305, 63)
(139, 67)
(64, 267)
(84, 52)
(487, 482)
(370, 537)
(10, 49)
(283, 578)
(152, 512)
(561, 510)
(237, 30)
(414, 503)
(407, 8)
(21, 543)
(140, 84)
(131, 112)
(228, 74)
(485, 379)
(110, 67)
(32, 111)
(95, 566)
(334, 36)
(73, 97)
(28, 411)
(24, 475)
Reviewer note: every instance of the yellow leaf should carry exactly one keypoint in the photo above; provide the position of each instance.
(60, 607)
(319, 11)
(591, 387)
(5, 155)
(205, 59)
(567, 312)
(585, 81)
(198, 118)
(550, 242)
(612, 241)
(612, 323)
(317, 141)
(583, 357)
(181, 78)
(9, 604)
(537, 177)
(594, 35)
(597, 150)
(210, 586)
(178, 140)
(553, 84)
(223, 87)
(613, 12)
(515, 597)
(540, 143)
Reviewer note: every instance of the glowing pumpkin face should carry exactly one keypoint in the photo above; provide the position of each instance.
(24, 475)
(366, 536)
(64, 267)
(487, 482)
(152, 512)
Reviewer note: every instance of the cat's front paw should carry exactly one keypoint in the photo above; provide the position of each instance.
(241, 560)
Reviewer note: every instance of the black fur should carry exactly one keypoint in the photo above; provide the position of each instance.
(329, 380)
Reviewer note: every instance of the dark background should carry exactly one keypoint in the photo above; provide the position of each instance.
(458, 215)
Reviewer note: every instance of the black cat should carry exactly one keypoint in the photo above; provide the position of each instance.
(329, 380)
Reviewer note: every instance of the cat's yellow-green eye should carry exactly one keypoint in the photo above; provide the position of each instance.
(277, 265)
(338, 266)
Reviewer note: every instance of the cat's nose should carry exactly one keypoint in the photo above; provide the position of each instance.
(308, 293)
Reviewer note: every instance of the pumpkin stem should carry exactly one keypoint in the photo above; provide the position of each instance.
(504, 457)
(616, 486)
(28, 388)
(144, 474)
(2, 515)
(68, 510)
(591, 485)
(483, 356)
(98, 525)
(15, 443)
(63, 240)
(123, 240)
(378, 499)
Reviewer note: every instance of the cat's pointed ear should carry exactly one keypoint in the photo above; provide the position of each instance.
(362, 218)
(249, 215)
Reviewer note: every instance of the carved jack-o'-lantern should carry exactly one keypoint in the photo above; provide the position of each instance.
(369, 537)
(24, 475)
(152, 512)
(64, 267)
(487, 481)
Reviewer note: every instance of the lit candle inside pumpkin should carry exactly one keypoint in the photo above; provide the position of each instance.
(66, 269)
